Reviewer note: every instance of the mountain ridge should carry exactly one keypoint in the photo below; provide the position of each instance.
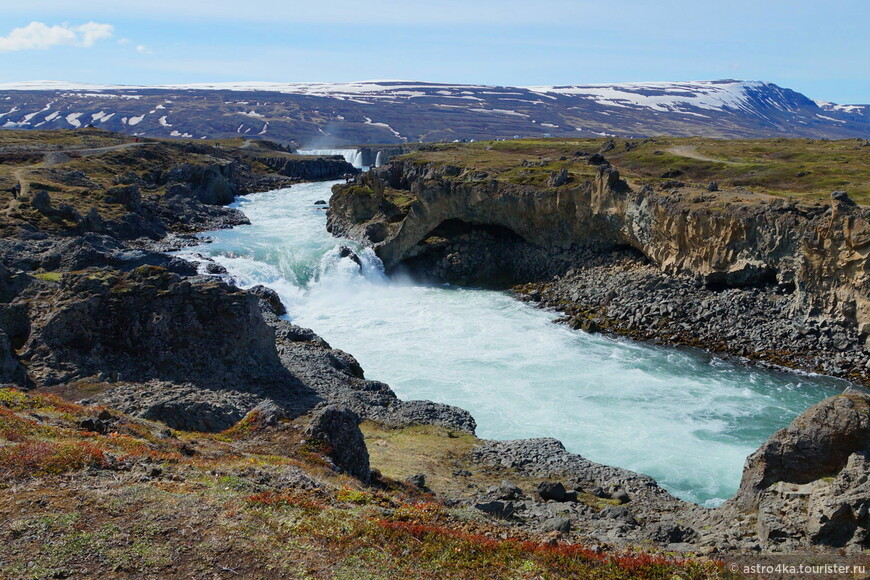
(316, 114)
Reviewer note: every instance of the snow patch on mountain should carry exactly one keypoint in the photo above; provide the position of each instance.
(73, 119)
(368, 121)
(662, 96)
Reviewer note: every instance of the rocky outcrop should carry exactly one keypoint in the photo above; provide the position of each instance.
(817, 444)
(150, 324)
(814, 248)
(84, 251)
(621, 292)
(805, 490)
(193, 407)
(190, 351)
(807, 486)
(311, 169)
(11, 371)
(585, 495)
(337, 377)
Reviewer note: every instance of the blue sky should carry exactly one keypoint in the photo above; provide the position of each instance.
(822, 50)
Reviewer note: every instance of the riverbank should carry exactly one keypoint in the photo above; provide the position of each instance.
(767, 277)
(390, 324)
(623, 294)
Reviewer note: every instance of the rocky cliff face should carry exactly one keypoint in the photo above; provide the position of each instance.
(311, 169)
(190, 351)
(815, 254)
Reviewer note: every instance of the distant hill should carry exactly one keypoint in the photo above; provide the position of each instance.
(334, 114)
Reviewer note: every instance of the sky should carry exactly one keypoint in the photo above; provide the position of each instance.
(819, 49)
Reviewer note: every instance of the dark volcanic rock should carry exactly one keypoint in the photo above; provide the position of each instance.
(337, 377)
(548, 459)
(817, 444)
(498, 509)
(128, 196)
(506, 491)
(670, 533)
(556, 525)
(212, 184)
(558, 179)
(183, 406)
(843, 197)
(338, 428)
(11, 371)
(269, 300)
(346, 252)
(417, 480)
(554, 491)
(309, 169)
(597, 159)
(808, 484)
(151, 323)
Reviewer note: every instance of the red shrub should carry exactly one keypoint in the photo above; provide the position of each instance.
(48, 458)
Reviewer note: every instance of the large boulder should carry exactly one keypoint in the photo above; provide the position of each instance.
(338, 429)
(815, 445)
(808, 484)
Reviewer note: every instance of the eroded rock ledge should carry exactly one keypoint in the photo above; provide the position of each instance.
(801, 266)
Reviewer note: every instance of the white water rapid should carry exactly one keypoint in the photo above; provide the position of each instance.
(687, 419)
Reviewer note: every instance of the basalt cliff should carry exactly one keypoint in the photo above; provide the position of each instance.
(697, 264)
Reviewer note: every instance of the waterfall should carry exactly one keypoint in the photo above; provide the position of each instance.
(379, 159)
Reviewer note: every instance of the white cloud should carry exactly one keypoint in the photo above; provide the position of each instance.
(40, 36)
(142, 49)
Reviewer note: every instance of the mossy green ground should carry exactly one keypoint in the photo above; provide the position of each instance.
(802, 168)
(141, 502)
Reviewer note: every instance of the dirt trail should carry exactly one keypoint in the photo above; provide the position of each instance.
(691, 152)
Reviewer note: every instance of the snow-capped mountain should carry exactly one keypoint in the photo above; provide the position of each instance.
(390, 111)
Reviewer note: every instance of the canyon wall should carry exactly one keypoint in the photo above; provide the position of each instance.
(817, 252)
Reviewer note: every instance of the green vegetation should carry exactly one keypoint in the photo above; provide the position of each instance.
(358, 191)
(49, 276)
(802, 168)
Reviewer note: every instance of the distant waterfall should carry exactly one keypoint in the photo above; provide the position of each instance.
(352, 156)
(379, 159)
